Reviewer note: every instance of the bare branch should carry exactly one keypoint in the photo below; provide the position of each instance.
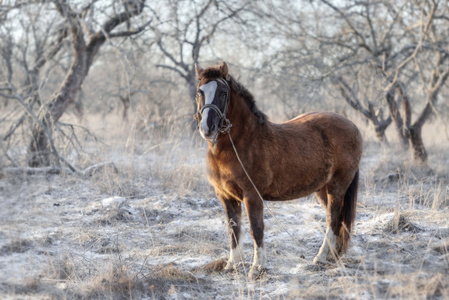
(173, 69)
(431, 99)
(131, 32)
(111, 24)
(351, 98)
(359, 35)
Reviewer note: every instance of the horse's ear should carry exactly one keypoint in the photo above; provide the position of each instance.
(198, 71)
(224, 70)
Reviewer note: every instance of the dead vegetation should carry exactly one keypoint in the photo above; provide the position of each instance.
(155, 230)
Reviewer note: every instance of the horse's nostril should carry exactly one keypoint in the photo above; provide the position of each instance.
(213, 127)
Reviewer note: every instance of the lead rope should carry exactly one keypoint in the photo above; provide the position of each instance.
(254, 186)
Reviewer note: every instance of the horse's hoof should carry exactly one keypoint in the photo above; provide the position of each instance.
(256, 273)
(318, 261)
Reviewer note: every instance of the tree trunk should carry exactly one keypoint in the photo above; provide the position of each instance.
(380, 128)
(126, 104)
(419, 153)
(38, 148)
(192, 96)
(409, 135)
(397, 119)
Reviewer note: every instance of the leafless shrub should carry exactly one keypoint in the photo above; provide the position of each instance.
(116, 282)
(400, 223)
(215, 266)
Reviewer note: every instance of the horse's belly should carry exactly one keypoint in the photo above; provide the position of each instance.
(295, 192)
(298, 182)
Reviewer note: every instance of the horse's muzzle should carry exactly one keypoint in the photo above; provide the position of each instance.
(208, 133)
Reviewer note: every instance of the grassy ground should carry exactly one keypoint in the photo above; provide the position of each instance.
(155, 230)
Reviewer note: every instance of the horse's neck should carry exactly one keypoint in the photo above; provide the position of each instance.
(244, 124)
(250, 114)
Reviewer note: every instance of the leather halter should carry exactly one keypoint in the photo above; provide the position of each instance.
(224, 124)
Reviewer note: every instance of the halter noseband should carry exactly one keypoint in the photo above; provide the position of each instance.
(224, 124)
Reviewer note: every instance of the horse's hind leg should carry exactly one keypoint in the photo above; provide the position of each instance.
(322, 196)
(233, 211)
(334, 204)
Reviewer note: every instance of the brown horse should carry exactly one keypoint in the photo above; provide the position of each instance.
(314, 152)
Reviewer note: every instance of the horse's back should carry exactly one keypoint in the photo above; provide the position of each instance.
(320, 118)
(329, 123)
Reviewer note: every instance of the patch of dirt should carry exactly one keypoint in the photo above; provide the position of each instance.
(16, 246)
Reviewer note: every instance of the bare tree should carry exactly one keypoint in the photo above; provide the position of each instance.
(400, 48)
(403, 44)
(432, 87)
(185, 29)
(429, 59)
(86, 36)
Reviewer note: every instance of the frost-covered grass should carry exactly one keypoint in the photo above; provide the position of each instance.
(155, 230)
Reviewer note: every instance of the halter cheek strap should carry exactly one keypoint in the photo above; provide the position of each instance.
(224, 124)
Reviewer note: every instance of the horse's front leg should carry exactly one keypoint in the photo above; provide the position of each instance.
(233, 211)
(254, 209)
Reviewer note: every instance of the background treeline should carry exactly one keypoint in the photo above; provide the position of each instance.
(384, 62)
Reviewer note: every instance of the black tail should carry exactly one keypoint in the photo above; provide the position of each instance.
(348, 212)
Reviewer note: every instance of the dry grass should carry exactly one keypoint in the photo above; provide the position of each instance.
(167, 236)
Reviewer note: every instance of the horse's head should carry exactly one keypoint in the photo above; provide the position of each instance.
(212, 100)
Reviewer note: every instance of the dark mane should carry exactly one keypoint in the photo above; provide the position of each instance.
(214, 72)
(248, 97)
